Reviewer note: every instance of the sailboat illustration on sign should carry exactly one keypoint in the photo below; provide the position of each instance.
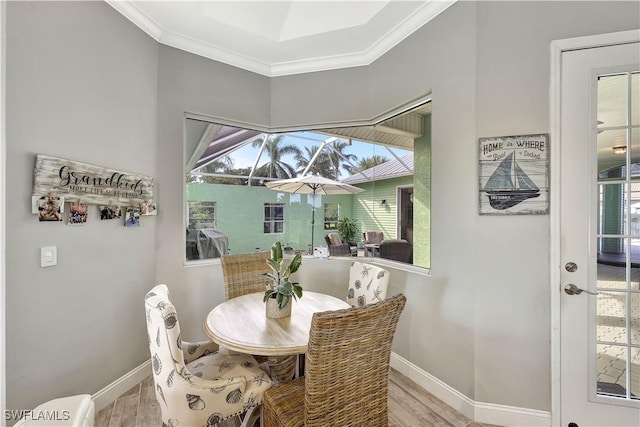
(509, 185)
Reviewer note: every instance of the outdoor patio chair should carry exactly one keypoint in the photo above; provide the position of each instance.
(195, 384)
(373, 237)
(397, 250)
(336, 247)
(347, 371)
(367, 284)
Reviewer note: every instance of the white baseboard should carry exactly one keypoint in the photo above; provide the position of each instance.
(120, 386)
(481, 412)
(442, 391)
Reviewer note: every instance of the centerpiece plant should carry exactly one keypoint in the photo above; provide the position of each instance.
(281, 287)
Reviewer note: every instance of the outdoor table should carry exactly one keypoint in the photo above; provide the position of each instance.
(372, 249)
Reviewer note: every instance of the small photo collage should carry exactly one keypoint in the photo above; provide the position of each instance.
(51, 208)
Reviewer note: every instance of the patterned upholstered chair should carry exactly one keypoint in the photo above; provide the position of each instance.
(367, 284)
(347, 371)
(195, 384)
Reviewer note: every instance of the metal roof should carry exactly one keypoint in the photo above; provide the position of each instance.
(402, 166)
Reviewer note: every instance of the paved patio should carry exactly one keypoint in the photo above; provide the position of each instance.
(611, 328)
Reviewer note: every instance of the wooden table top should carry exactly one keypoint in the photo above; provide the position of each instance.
(241, 324)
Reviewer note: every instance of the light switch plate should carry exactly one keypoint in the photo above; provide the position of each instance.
(48, 256)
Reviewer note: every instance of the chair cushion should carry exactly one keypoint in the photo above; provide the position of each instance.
(367, 284)
(334, 238)
(230, 365)
(284, 405)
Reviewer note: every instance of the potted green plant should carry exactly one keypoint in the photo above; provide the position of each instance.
(281, 289)
(348, 230)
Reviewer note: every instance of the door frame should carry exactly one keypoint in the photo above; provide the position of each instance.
(399, 207)
(558, 47)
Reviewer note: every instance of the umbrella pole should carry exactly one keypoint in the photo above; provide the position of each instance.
(313, 218)
(313, 221)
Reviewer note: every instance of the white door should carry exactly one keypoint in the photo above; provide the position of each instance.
(599, 236)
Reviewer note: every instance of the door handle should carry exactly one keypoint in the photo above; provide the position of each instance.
(572, 289)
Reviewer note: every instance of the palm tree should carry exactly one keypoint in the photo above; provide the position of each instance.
(276, 167)
(219, 165)
(339, 158)
(370, 162)
(321, 166)
(329, 161)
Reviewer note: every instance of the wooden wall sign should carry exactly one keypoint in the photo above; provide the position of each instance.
(92, 184)
(514, 175)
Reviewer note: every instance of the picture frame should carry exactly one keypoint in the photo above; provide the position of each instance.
(513, 176)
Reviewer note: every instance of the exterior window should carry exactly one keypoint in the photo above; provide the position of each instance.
(202, 215)
(273, 218)
(331, 216)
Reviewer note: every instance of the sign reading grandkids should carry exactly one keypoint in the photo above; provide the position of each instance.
(90, 184)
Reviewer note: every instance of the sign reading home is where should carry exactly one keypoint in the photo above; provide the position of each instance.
(514, 175)
(91, 184)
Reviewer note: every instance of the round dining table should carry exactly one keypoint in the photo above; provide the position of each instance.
(241, 324)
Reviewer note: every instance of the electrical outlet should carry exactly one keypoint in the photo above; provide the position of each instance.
(48, 256)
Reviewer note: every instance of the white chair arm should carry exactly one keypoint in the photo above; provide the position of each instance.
(195, 350)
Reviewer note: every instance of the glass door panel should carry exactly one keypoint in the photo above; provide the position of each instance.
(617, 307)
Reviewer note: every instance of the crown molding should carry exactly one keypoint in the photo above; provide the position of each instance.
(394, 36)
(139, 18)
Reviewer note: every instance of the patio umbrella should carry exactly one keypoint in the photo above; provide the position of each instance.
(313, 184)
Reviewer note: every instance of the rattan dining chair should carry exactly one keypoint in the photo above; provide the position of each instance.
(347, 371)
(243, 273)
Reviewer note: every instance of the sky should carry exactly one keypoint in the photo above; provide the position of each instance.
(245, 156)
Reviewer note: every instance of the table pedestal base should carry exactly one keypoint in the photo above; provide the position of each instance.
(282, 368)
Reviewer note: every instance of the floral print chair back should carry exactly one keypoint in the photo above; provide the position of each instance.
(195, 384)
(367, 284)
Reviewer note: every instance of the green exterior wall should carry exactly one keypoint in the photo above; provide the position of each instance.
(371, 214)
(422, 197)
(239, 215)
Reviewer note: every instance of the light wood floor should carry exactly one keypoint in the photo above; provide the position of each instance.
(409, 405)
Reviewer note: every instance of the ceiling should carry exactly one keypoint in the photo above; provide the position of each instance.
(276, 38)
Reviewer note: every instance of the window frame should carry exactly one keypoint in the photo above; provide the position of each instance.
(273, 222)
(336, 222)
(210, 204)
(381, 117)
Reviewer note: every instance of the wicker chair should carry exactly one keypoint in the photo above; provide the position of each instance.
(347, 371)
(243, 273)
(195, 384)
(374, 237)
(336, 247)
(397, 250)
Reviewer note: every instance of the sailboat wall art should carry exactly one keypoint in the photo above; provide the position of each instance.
(514, 175)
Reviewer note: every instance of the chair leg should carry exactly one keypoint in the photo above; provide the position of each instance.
(250, 417)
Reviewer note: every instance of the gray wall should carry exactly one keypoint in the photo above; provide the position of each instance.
(472, 325)
(81, 85)
(488, 72)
